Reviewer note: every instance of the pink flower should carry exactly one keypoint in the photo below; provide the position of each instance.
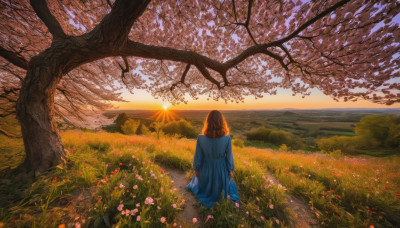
(247, 212)
(121, 186)
(271, 206)
(149, 200)
(135, 210)
(135, 187)
(277, 221)
(237, 205)
(138, 218)
(209, 217)
(138, 205)
(194, 220)
(262, 218)
(174, 205)
(77, 225)
(127, 212)
(120, 207)
(174, 224)
(162, 219)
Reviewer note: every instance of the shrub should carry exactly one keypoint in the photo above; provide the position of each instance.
(142, 130)
(276, 137)
(121, 119)
(346, 144)
(181, 127)
(130, 126)
(260, 134)
(238, 143)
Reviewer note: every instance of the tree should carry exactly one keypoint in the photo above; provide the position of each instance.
(130, 127)
(59, 58)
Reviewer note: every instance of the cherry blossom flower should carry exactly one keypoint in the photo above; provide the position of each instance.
(120, 207)
(262, 218)
(162, 219)
(138, 205)
(135, 187)
(271, 206)
(138, 218)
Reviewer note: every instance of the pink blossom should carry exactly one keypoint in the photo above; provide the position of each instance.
(121, 186)
(135, 187)
(149, 200)
(277, 221)
(138, 205)
(120, 207)
(209, 217)
(194, 220)
(138, 218)
(162, 219)
(174, 224)
(174, 205)
(127, 212)
(77, 225)
(237, 205)
(271, 206)
(262, 218)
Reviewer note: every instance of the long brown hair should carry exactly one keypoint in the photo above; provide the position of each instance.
(215, 125)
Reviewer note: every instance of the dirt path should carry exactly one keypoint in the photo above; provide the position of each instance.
(305, 217)
(185, 217)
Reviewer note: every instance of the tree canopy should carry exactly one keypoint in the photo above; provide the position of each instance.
(224, 49)
(67, 59)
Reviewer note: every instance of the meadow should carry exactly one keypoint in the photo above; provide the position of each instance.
(116, 180)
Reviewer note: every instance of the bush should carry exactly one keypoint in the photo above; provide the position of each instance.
(121, 119)
(277, 137)
(142, 130)
(346, 144)
(130, 126)
(181, 127)
(238, 143)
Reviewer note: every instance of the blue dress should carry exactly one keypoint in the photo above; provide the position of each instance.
(214, 160)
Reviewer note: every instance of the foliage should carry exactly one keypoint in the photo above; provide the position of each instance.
(238, 143)
(130, 126)
(121, 119)
(379, 131)
(277, 137)
(346, 144)
(142, 129)
(181, 127)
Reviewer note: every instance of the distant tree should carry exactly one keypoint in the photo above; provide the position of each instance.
(122, 117)
(142, 129)
(181, 127)
(345, 144)
(260, 133)
(157, 126)
(379, 131)
(60, 58)
(130, 127)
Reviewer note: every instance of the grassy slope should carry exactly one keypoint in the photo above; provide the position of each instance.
(344, 192)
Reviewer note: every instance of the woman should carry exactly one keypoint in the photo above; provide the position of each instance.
(213, 162)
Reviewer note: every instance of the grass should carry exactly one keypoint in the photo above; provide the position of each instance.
(103, 168)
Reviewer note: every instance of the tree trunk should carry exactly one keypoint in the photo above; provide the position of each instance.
(35, 111)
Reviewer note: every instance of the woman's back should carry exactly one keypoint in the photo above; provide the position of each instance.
(213, 148)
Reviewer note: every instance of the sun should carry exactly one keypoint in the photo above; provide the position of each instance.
(165, 107)
(165, 115)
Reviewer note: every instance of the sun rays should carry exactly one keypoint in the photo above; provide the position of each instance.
(164, 115)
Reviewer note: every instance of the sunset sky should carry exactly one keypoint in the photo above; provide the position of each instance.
(284, 99)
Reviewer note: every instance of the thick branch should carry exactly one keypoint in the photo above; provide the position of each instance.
(43, 12)
(14, 58)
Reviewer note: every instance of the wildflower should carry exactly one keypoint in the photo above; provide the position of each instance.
(143, 163)
(135, 210)
(174, 224)
(237, 205)
(138, 218)
(174, 205)
(106, 165)
(77, 225)
(338, 196)
(371, 226)
(98, 183)
(277, 221)
(130, 164)
(120, 163)
(271, 206)
(158, 207)
(387, 188)
(127, 212)
(138, 205)
(55, 178)
(115, 187)
(161, 189)
(194, 220)
(162, 219)
(262, 218)
(209, 217)
(120, 207)
(149, 200)
(397, 194)
(335, 207)
(135, 187)
(247, 212)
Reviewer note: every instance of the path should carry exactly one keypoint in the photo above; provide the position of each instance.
(185, 217)
(305, 217)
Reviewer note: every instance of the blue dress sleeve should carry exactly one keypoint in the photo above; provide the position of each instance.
(198, 156)
(229, 156)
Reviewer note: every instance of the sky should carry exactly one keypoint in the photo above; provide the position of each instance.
(284, 99)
